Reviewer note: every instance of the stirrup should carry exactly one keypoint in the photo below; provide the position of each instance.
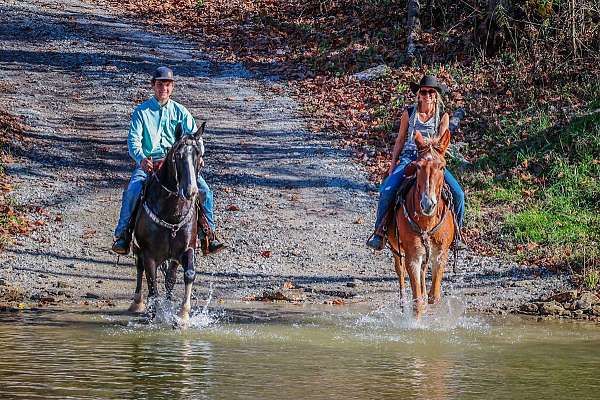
(121, 246)
(376, 242)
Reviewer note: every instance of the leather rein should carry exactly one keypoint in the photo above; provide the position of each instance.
(174, 228)
(424, 235)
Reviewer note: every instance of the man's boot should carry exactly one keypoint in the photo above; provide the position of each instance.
(122, 244)
(207, 238)
(376, 242)
(210, 244)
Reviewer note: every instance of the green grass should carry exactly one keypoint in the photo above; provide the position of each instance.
(544, 180)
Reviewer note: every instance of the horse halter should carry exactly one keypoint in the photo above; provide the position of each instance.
(174, 228)
(171, 159)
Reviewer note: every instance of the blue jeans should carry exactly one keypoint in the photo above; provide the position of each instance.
(134, 189)
(389, 187)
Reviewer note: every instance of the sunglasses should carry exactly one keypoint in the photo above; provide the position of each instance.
(425, 92)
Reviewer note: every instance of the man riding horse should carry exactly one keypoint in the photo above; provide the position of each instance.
(151, 134)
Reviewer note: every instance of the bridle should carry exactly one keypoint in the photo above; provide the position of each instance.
(174, 228)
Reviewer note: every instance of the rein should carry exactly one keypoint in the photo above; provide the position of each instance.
(157, 166)
(174, 228)
(424, 235)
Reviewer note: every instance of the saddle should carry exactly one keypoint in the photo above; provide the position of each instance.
(407, 184)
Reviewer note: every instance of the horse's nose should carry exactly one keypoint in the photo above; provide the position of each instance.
(427, 205)
(192, 192)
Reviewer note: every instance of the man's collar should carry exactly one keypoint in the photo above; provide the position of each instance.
(155, 100)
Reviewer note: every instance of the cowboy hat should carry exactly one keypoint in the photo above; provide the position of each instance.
(429, 81)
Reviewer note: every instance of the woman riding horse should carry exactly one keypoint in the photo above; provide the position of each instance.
(428, 118)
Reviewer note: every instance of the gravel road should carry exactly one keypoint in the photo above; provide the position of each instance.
(291, 204)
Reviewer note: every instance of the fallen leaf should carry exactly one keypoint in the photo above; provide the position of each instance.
(288, 285)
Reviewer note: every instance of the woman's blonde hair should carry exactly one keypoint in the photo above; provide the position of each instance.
(439, 110)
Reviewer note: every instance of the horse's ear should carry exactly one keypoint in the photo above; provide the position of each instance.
(200, 131)
(178, 131)
(419, 140)
(444, 142)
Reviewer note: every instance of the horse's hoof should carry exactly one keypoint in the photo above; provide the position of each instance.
(183, 322)
(137, 308)
(434, 300)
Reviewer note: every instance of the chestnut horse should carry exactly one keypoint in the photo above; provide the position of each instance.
(423, 227)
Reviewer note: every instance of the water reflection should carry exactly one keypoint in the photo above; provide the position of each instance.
(273, 353)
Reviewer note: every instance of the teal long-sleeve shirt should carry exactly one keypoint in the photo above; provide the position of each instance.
(152, 130)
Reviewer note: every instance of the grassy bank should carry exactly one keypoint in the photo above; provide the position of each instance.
(530, 134)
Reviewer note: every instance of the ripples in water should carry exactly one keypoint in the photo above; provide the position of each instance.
(308, 352)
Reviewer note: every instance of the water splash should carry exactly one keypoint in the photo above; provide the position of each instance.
(165, 313)
(448, 315)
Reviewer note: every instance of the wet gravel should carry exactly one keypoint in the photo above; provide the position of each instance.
(291, 205)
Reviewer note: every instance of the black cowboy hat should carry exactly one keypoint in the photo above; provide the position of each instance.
(429, 81)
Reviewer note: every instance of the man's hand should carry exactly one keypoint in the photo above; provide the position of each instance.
(147, 165)
(201, 162)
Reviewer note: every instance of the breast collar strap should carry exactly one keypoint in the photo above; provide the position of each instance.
(424, 235)
(173, 227)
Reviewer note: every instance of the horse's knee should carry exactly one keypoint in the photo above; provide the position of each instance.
(189, 276)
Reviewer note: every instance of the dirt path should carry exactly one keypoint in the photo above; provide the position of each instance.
(76, 70)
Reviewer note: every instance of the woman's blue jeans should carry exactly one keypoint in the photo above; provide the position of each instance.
(389, 187)
(134, 190)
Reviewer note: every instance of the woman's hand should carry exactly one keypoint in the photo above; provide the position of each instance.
(392, 167)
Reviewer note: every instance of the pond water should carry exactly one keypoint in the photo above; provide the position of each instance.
(251, 351)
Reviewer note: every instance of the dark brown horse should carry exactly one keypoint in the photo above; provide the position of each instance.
(166, 229)
(424, 224)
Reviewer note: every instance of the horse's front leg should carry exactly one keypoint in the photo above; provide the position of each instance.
(440, 259)
(138, 306)
(414, 259)
(171, 278)
(401, 272)
(189, 273)
(150, 268)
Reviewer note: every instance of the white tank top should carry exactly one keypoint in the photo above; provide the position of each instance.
(427, 129)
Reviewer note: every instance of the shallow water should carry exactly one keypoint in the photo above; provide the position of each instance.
(296, 352)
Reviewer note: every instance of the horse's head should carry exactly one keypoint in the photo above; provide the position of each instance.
(185, 159)
(429, 170)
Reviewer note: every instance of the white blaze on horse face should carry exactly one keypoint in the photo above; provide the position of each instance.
(190, 187)
(428, 196)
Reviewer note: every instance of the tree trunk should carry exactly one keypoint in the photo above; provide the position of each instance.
(489, 33)
(413, 24)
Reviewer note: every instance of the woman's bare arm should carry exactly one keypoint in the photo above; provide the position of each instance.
(400, 140)
(444, 124)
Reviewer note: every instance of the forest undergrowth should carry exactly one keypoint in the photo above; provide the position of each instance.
(526, 73)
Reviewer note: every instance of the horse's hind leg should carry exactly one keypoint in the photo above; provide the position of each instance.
(171, 278)
(138, 306)
(189, 273)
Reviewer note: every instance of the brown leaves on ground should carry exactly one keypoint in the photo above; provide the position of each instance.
(315, 46)
(13, 219)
